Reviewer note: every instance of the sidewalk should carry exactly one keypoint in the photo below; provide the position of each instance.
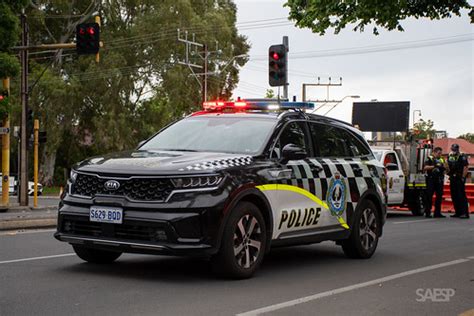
(21, 217)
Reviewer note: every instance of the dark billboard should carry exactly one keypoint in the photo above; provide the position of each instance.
(381, 116)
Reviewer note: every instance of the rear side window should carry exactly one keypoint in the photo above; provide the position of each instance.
(390, 158)
(332, 141)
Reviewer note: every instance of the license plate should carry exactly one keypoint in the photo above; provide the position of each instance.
(105, 214)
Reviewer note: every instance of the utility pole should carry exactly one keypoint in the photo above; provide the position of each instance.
(204, 85)
(6, 149)
(23, 192)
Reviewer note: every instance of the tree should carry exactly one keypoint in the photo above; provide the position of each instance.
(138, 87)
(468, 136)
(424, 129)
(320, 15)
(9, 35)
(270, 94)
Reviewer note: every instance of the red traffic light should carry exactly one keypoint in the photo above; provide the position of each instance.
(82, 31)
(91, 31)
(1, 98)
(275, 56)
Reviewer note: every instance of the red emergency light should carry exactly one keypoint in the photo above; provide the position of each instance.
(218, 105)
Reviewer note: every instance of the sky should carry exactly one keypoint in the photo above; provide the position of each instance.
(436, 79)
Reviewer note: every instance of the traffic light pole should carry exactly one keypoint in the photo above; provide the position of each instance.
(23, 192)
(285, 87)
(6, 152)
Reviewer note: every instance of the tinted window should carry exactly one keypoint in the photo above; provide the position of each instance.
(390, 158)
(215, 134)
(358, 148)
(293, 133)
(331, 141)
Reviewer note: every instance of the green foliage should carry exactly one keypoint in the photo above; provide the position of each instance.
(424, 129)
(270, 94)
(320, 15)
(468, 136)
(138, 87)
(9, 35)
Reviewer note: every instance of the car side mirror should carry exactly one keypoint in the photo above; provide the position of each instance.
(292, 152)
(141, 143)
(391, 166)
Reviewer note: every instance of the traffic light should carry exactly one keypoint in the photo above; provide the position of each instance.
(277, 65)
(87, 38)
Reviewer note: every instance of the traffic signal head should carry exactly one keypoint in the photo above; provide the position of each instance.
(87, 38)
(277, 65)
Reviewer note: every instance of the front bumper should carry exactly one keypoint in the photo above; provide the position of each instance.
(167, 228)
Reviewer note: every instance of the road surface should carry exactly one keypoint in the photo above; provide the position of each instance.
(422, 266)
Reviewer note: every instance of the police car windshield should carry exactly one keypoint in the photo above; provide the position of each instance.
(214, 134)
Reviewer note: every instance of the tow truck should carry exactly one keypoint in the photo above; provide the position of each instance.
(406, 181)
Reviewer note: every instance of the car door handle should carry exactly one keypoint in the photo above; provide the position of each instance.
(401, 176)
(357, 169)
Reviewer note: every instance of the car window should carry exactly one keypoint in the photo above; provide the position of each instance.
(357, 146)
(293, 133)
(390, 158)
(331, 141)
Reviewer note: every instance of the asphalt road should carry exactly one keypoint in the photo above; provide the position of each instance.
(422, 267)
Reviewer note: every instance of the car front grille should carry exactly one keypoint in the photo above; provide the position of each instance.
(135, 189)
(131, 231)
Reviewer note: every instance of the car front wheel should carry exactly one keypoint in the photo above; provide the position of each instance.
(243, 243)
(365, 234)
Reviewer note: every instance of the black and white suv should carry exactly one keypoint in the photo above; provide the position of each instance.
(229, 183)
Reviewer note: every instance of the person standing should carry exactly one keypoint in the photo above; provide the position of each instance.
(458, 168)
(435, 167)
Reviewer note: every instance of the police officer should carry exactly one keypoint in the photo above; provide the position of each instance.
(458, 168)
(435, 166)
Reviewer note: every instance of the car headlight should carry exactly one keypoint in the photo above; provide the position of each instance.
(73, 176)
(197, 182)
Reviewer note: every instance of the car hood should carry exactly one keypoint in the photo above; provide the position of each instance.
(149, 162)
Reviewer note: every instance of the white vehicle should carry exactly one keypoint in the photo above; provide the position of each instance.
(406, 182)
(13, 186)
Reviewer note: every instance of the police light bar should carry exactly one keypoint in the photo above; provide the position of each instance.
(256, 105)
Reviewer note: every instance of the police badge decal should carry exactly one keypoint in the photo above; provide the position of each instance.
(336, 195)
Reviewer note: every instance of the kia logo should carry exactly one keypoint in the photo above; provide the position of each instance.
(112, 185)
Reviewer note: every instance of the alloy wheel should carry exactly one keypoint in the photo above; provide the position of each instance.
(247, 241)
(368, 229)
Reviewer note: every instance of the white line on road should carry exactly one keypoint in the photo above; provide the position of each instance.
(301, 300)
(38, 258)
(415, 221)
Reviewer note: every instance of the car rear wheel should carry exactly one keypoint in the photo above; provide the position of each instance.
(364, 237)
(418, 205)
(95, 255)
(243, 243)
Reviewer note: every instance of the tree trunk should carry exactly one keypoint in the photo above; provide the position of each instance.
(47, 168)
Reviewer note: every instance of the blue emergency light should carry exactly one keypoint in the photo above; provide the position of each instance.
(269, 105)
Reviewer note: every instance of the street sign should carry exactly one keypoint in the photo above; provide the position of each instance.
(4, 130)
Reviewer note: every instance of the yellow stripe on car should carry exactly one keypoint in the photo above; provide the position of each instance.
(309, 195)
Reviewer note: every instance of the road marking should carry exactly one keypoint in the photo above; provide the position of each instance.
(38, 258)
(301, 300)
(415, 221)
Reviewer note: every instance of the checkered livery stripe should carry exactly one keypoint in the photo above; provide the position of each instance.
(314, 175)
(219, 164)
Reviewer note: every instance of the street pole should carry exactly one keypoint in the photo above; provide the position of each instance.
(35, 174)
(204, 86)
(23, 194)
(285, 87)
(6, 152)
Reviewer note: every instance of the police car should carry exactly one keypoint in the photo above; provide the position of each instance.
(229, 183)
